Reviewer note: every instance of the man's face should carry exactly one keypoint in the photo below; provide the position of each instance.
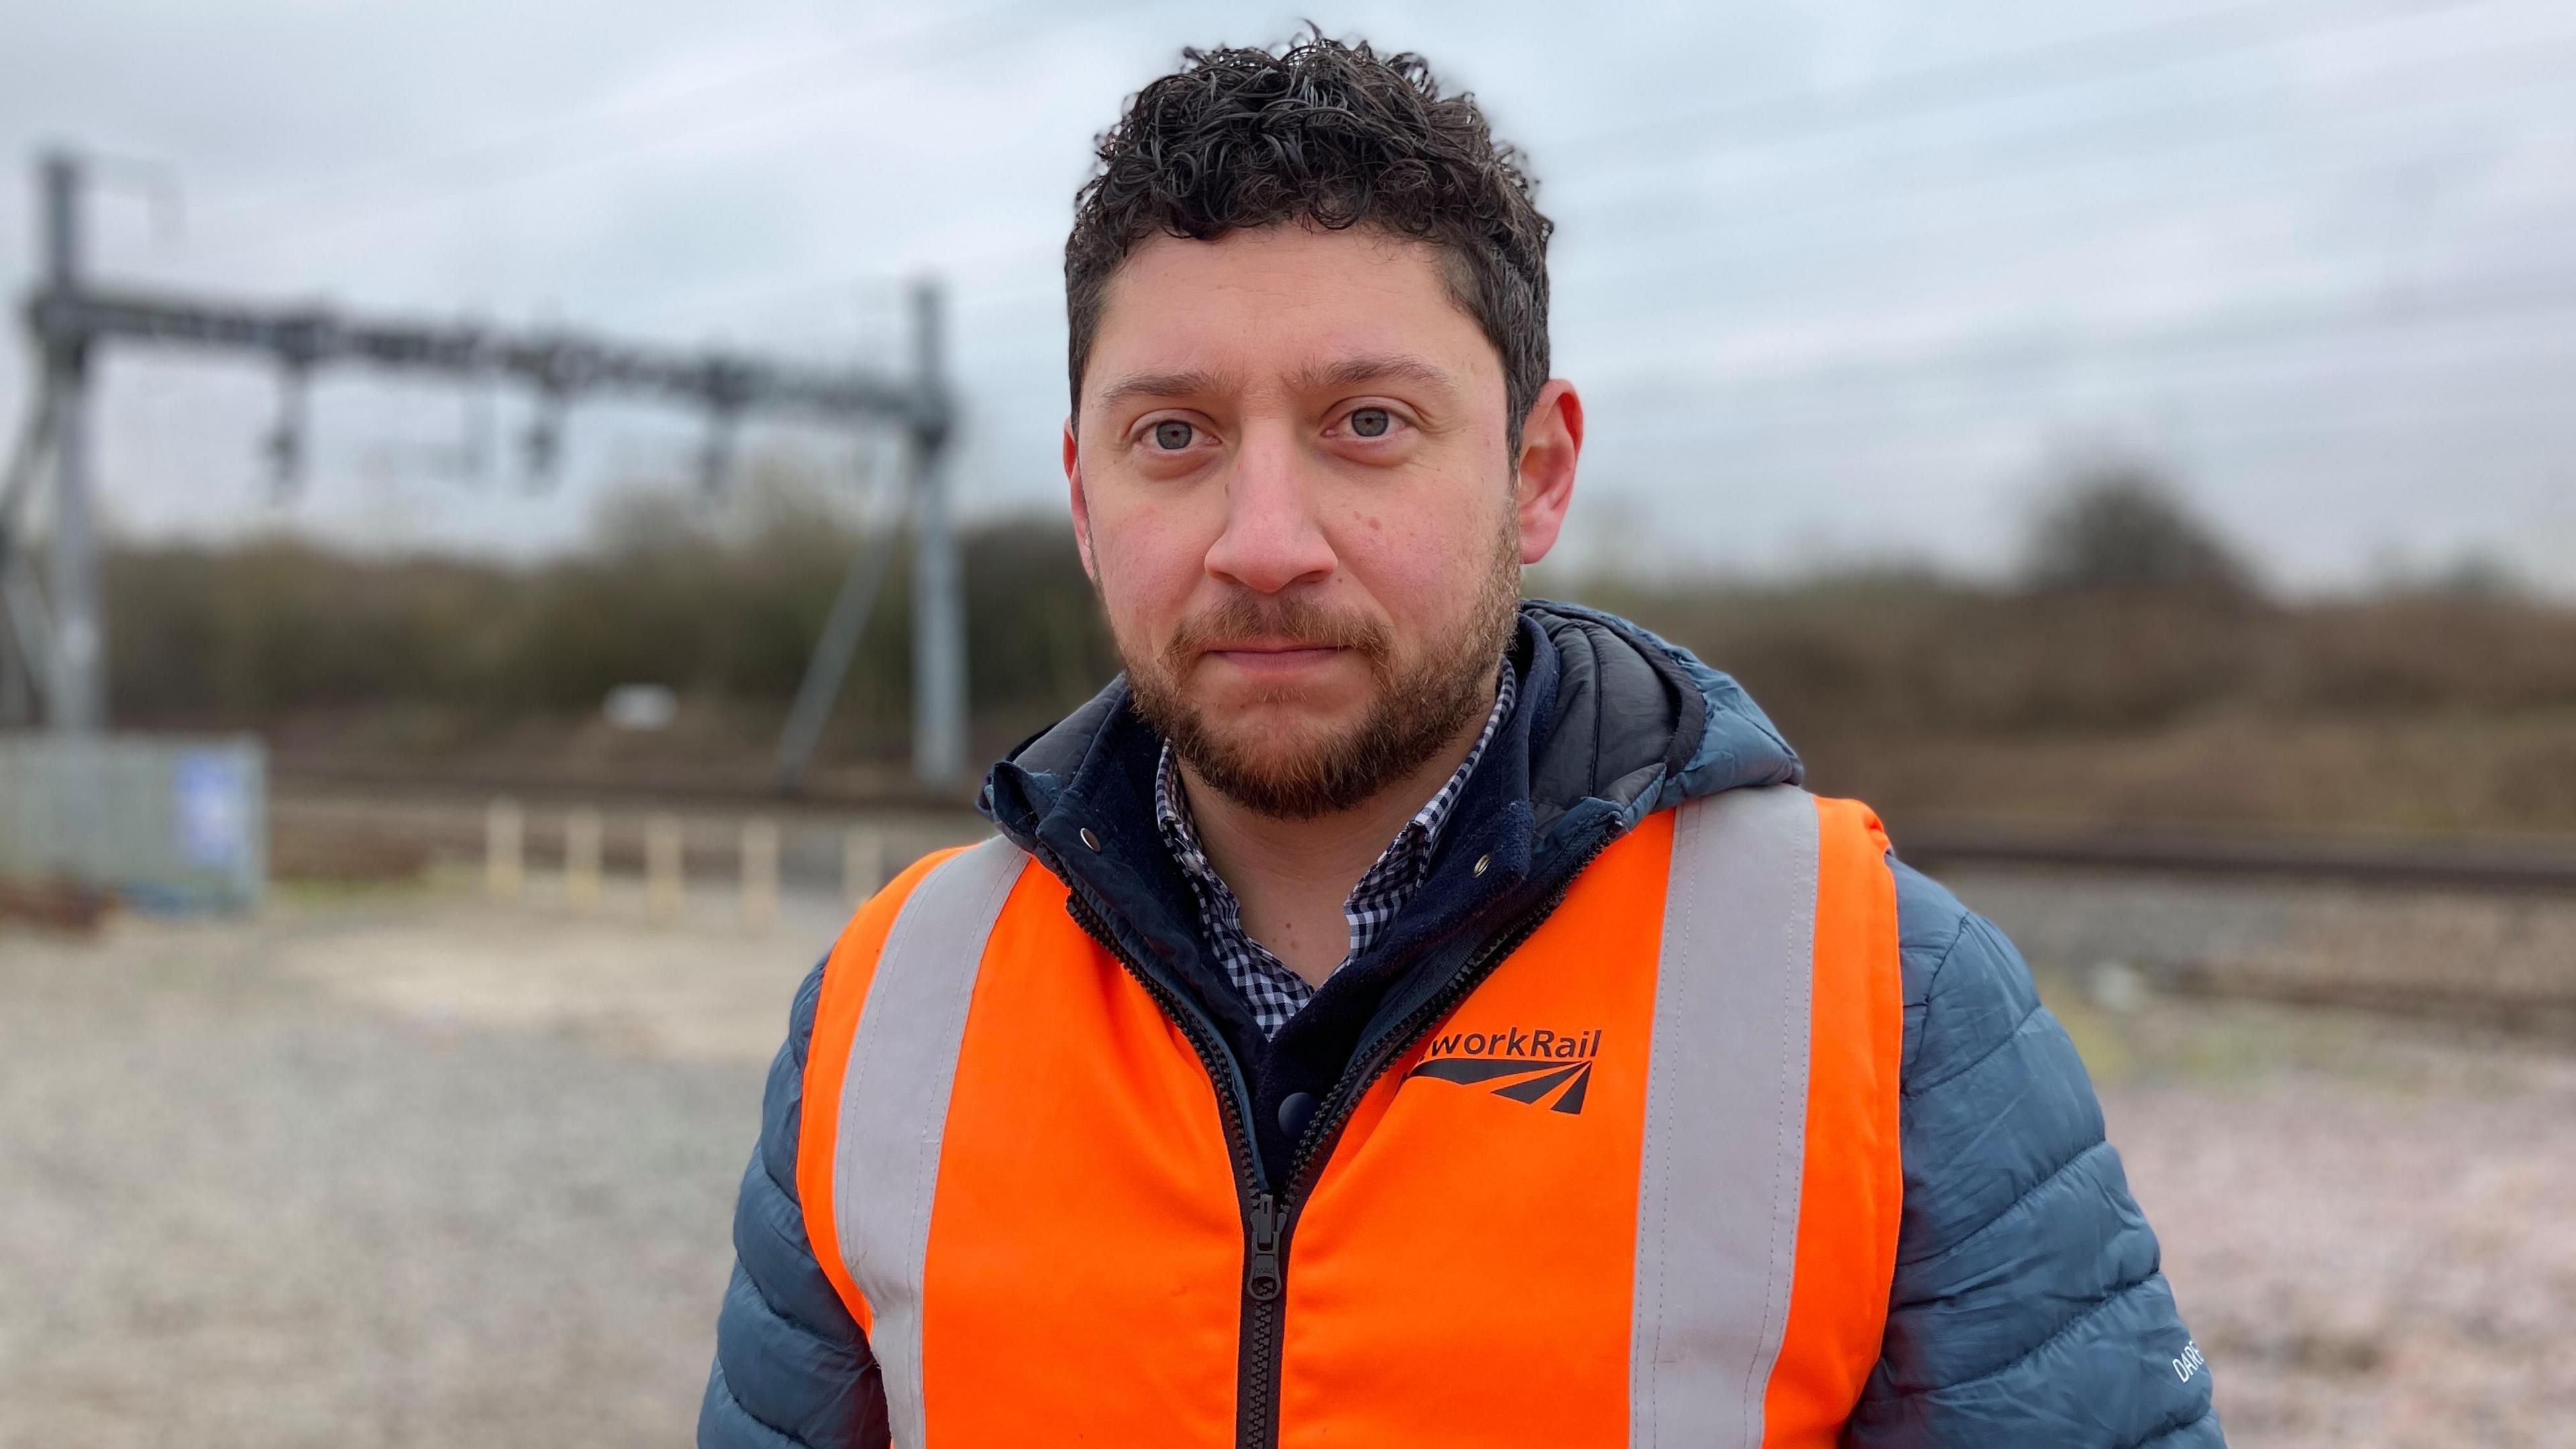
(1293, 485)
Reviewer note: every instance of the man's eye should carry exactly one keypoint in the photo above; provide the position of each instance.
(1173, 436)
(1371, 422)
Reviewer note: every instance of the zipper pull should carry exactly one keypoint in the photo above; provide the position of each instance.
(1261, 1274)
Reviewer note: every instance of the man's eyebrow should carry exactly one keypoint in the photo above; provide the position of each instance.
(1189, 382)
(1382, 367)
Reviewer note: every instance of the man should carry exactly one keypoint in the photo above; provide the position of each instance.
(1394, 1013)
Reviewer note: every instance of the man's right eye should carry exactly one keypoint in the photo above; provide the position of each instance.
(1172, 436)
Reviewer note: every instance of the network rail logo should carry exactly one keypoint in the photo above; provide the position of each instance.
(1532, 1064)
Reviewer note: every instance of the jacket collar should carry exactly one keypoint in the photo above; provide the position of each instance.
(1610, 716)
(1612, 725)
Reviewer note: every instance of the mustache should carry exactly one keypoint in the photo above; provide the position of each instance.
(1297, 620)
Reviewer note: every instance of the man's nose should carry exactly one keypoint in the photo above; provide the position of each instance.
(1273, 538)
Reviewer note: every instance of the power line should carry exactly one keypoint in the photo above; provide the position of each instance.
(1881, 413)
(2487, 301)
(1785, 224)
(2023, 360)
(1781, 228)
(1916, 89)
(2092, 58)
(1912, 92)
(1874, 449)
(1779, 303)
(2009, 351)
(2312, 32)
(505, 161)
(514, 146)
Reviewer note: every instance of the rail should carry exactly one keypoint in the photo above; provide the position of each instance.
(2485, 865)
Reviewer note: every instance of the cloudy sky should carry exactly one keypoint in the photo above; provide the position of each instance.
(1840, 281)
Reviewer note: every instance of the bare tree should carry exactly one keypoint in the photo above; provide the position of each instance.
(2121, 525)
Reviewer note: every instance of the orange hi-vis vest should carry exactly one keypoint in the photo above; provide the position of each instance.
(1638, 1185)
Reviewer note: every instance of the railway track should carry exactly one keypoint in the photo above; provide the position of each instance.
(2481, 865)
(2475, 930)
(445, 813)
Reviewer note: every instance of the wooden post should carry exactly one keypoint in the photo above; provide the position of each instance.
(760, 873)
(665, 881)
(504, 863)
(581, 859)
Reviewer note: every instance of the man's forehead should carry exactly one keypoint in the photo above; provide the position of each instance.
(1318, 374)
(1287, 306)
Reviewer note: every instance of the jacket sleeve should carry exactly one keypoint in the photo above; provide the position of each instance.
(2028, 1308)
(792, 1367)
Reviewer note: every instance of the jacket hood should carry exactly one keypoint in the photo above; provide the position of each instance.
(1612, 714)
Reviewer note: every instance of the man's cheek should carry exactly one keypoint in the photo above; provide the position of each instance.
(1140, 602)
(1412, 568)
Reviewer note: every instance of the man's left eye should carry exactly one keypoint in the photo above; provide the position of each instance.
(1371, 422)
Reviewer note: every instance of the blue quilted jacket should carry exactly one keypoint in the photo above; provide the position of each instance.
(2027, 1307)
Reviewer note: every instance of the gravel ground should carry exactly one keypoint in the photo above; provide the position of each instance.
(2374, 1242)
(2505, 957)
(255, 1198)
(416, 1169)
(2369, 1220)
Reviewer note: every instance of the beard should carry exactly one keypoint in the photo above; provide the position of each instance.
(1410, 715)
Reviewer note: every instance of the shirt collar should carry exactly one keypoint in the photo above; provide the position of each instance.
(1180, 833)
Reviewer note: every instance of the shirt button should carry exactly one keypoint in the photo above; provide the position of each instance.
(1295, 1111)
(1093, 841)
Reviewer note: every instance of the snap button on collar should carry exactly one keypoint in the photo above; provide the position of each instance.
(1479, 867)
(1295, 1111)
(1090, 840)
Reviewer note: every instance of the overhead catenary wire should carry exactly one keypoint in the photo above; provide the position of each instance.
(1832, 428)
(2267, 320)
(1926, 87)
(508, 160)
(2483, 301)
(1794, 115)
(1800, 227)
(1863, 455)
(1981, 81)
(2002, 467)
(2537, 374)
(2070, 349)
(1790, 231)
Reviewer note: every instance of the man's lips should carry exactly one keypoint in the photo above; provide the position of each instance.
(1266, 657)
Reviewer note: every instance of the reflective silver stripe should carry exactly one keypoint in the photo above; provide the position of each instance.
(1726, 1118)
(894, 1103)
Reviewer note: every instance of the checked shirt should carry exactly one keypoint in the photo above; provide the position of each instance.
(1274, 992)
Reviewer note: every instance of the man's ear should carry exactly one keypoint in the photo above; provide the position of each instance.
(1551, 439)
(1081, 505)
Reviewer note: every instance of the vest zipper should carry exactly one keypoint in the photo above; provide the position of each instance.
(1262, 1279)
(1257, 1409)
(1265, 1276)
(1269, 1222)
(1232, 1110)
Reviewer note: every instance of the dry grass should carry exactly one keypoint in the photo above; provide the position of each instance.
(1936, 701)
(1928, 697)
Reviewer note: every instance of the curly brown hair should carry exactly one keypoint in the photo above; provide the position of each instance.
(1332, 134)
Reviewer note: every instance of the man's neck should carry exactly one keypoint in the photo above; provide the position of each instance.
(1291, 877)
